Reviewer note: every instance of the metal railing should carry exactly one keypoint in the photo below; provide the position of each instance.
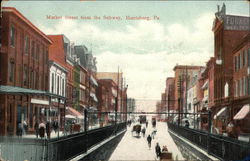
(62, 148)
(222, 147)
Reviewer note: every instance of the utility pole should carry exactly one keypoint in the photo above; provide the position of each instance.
(117, 95)
(186, 74)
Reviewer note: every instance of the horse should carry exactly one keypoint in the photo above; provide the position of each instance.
(137, 129)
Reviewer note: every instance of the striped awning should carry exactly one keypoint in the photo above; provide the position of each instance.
(242, 113)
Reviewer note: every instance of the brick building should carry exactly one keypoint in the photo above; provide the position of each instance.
(228, 31)
(23, 73)
(169, 90)
(241, 78)
(183, 75)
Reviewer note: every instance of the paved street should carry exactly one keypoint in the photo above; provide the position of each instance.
(133, 148)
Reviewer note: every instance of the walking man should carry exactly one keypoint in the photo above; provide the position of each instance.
(149, 139)
(158, 150)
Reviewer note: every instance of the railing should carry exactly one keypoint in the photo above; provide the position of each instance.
(63, 148)
(222, 147)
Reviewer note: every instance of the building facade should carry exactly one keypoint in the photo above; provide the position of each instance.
(228, 31)
(24, 71)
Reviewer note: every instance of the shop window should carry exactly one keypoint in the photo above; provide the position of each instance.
(9, 113)
(31, 116)
(31, 79)
(11, 71)
(12, 35)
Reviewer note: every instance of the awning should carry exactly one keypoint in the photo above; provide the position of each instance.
(242, 113)
(19, 90)
(92, 108)
(92, 79)
(94, 97)
(70, 116)
(74, 112)
(25, 91)
(221, 113)
(205, 85)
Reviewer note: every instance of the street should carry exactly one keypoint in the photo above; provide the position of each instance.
(133, 148)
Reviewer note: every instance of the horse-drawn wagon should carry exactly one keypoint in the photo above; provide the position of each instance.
(137, 129)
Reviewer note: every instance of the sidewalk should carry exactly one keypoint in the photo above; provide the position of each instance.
(133, 148)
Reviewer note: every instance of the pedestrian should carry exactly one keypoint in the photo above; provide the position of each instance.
(55, 126)
(41, 130)
(36, 128)
(143, 131)
(149, 139)
(48, 129)
(187, 124)
(153, 134)
(146, 124)
(19, 130)
(158, 150)
(25, 127)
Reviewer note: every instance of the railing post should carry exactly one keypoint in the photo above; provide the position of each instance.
(209, 131)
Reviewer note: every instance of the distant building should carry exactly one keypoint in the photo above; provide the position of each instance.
(183, 75)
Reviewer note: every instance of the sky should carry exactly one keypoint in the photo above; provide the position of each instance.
(145, 50)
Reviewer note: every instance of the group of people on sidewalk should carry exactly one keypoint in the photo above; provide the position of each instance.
(41, 128)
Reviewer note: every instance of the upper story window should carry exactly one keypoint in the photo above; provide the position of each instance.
(12, 35)
(235, 63)
(248, 57)
(31, 78)
(37, 52)
(26, 44)
(11, 71)
(46, 56)
(32, 48)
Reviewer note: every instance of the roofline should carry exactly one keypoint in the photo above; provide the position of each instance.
(22, 17)
(244, 41)
(187, 66)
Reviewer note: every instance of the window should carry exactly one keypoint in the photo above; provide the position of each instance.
(52, 83)
(63, 92)
(235, 63)
(238, 62)
(32, 48)
(31, 78)
(235, 89)
(248, 85)
(26, 45)
(11, 71)
(37, 52)
(46, 57)
(58, 84)
(239, 89)
(243, 58)
(248, 57)
(25, 75)
(12, 35)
